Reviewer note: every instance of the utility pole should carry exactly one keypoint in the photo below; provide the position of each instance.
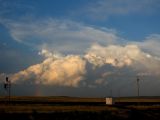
(7, 87)
(138, 86)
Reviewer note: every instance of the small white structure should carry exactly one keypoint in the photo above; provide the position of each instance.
(109, 101)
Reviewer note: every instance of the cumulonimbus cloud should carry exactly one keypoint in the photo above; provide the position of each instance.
(150, 44)
(62, 71)
(70, 70)
(104, 48)
(123, 56)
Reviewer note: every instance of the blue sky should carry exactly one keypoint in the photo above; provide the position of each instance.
(69, 45)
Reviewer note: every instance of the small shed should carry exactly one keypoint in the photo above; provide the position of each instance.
(109, 101)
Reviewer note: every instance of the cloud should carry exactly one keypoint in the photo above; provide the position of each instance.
(83, 45)
(61, 71)
(59, 35)
(123, 56)
(111, 60)
(2, 77)
(70, 37)
(100, 47)
(103, 9)
(100, 81)
(117, 56)
(150, 44)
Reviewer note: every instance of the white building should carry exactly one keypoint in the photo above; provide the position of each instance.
(109, 101)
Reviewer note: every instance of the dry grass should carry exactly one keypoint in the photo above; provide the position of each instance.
(53, 99)
(63, 104)
(68, 108)
(48, 109)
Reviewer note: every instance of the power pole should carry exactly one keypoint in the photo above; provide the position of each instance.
(7, 87)
(138, 86)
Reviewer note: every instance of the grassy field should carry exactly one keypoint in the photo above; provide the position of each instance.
(61, 108)
(53, 99)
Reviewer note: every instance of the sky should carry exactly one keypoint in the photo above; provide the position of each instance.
(82, 48)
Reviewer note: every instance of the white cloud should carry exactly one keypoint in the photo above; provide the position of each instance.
(62, 71)
(59, 35)
(123, 56)
(151, 44)
(117, 56)
(72, 37)
(70, 70)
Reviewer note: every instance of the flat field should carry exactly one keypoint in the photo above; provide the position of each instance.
(73, 108)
